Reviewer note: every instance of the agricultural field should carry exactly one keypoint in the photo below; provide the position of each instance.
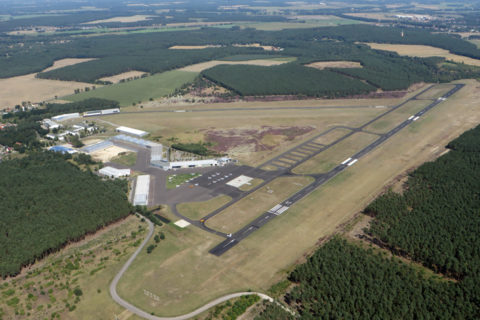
(334, 64)
(306, 222)
(256, 203)
(141, 90)
(15, 90)
(197, 210)
(303, 22)
(424, 51)
(199, 67)
(123, 76)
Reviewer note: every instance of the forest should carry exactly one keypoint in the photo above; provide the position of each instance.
(291, 79)
(434, 222)
(48, 202)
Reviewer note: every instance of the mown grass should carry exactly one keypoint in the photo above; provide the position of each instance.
(176, 180)
(141, 90)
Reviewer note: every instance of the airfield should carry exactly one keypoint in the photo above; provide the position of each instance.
(309, 187)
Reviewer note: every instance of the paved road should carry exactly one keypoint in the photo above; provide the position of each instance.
(321, 179)
(146, 315)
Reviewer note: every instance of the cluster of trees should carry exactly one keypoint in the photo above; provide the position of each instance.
(292, 79)
(199, 148)
(47, 202)
(435, 222)
(23, 136)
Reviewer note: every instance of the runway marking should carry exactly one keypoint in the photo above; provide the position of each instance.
(344, 162)
(352, 162)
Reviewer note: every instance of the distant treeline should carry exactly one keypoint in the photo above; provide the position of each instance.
(149, 52)
(435, 222)
(47, 202)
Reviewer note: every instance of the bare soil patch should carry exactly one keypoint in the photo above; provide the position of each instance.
(107, 154)
(199, 67)
(123, 76)
(334, 64)
(254, 139)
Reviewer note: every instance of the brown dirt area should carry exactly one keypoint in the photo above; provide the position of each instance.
(67, 62)
(256, 139)
(107, 154)
(334, 64)
(199, 67)
(123, 76)
(423, 51)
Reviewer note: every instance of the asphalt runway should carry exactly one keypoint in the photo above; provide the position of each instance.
(321, 179)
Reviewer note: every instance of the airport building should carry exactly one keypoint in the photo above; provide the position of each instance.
(66, 116)
(169, 165)
(114, 173)
(132, 131)
(142, 190)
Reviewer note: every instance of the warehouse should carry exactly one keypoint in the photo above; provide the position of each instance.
(142, 190)
(132, 131)
(114, 173)
(166, 165)
(66, 116)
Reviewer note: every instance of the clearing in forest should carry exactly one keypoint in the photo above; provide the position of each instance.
(334, 64)
(199, 67)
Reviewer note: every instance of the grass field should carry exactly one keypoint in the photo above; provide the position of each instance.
(252, 184)
(396, 117)
(333, 156)
(301, 24)
(126, 158)
(185, 276)
(423, 51)
(197, 210)
(436, 92)
(176, 180)
(123, 76)
(199, 67)
(46, 289)
(332, 136)
(252, 206)
(140, 90)
(334, 64)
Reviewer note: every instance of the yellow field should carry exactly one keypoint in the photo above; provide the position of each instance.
(334, 64)
(199, 67)
(14, 90)
(185, 276)
(128, 19)
(249, 208)
(333, 156)
(423, 51)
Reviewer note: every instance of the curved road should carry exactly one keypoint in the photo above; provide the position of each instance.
(146, 315)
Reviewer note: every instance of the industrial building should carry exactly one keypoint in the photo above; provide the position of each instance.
(62, 149)
(50, 125)
(132, 131)
(66, 116)
(100, 112)
(142, 190)
(168, 165)
(114, 173)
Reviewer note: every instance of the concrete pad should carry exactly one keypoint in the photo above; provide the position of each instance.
(182, 223)
(239, 181)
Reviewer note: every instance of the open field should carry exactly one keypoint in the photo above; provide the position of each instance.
(123, 76)
(423, 51)
(67, 62)
(199, 67)
(90, 264)
(110, 153)
(252, 184)
(14, 90)
(333, 156)
(332, 136)
(396, 117)
(197, 210)
(193, 47)
(136, 91)
(476, 42)
(193, 126)
(125, 158)
(249, 208)
(185, 276)
(129, 19)
(334, 64)
(303, 24)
